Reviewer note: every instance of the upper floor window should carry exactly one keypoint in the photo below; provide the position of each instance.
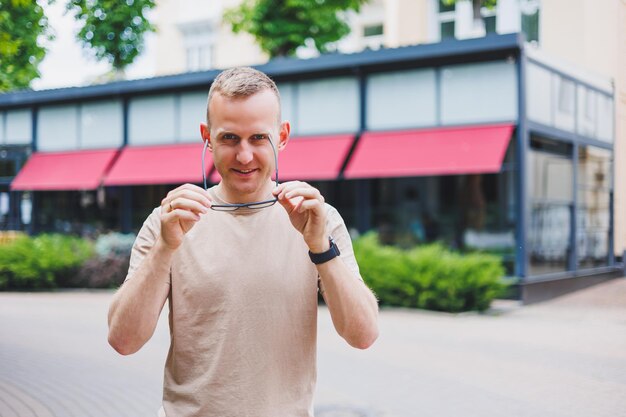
(373, 35)
(508, 16)
(198, 40)
(530, 19)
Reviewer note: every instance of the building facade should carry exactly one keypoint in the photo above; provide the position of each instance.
(579, 35)
(483, 144)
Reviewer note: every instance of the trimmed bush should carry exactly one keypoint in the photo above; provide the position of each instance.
(41, 262)
(102, 272)
(429, 277)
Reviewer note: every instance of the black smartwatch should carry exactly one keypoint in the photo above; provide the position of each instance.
(320, 258)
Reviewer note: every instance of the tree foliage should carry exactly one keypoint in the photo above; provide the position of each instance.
(114, 30)
(281, 26)
(23, 26)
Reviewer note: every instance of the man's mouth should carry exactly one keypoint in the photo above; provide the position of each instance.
(244, 171)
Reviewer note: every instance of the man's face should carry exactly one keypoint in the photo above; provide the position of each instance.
(239, 139)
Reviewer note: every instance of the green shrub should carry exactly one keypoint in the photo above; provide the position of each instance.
(430, 277)
(45, 261)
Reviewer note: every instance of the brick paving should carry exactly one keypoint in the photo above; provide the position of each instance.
(563, 358)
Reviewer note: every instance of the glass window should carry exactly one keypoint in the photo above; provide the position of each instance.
(144, 200)
(83, 213)
(465, 212)
(373, 30)
(593, 217)
(447, 30)
(445, 7)
(8, 168)
(490, 24)
(550, 196)
(530, 19)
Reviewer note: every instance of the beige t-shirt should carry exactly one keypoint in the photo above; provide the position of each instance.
(243, 314)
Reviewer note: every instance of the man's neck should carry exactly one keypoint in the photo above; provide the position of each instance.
(264, 193)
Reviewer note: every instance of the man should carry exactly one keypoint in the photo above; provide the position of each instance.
(242, 279)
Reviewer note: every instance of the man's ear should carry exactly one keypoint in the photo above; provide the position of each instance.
(205, 133)
(283, 137)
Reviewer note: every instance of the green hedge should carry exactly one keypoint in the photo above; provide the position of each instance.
(429, 277)
(45, 261)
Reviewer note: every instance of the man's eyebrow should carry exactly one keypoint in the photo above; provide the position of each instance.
(226, 132)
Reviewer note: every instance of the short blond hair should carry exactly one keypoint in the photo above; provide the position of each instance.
(241, 82)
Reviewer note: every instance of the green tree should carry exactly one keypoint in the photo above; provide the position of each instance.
(281, 26)
(23, 26)
(114, 30)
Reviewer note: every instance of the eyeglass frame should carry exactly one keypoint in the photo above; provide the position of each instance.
(257, 205)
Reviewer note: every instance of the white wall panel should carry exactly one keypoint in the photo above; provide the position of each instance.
(19, 127)
(192, 112)
(538, 94)
(152, 120)
(287, 104)
(564, 102)
(57, 128)
(2, 129)
(605, 118)
(328, 106)
(474, 93)
(101, 125)
(401, 99)
(587, 111)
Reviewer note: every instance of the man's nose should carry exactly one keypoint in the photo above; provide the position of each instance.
(244, 153)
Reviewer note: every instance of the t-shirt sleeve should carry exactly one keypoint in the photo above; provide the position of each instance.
(339, 232)
(145, 240)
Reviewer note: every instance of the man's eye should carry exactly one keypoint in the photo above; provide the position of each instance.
(259, 137)
(229, 137)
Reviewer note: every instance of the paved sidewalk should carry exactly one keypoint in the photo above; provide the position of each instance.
(566, 357)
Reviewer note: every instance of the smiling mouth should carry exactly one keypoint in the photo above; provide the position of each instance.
(244, 171)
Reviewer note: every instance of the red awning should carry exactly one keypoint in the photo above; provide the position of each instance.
(443, 151)
(310, 158)
(170, 164)
(77, 170)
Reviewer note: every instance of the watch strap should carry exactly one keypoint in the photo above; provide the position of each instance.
(332, 252)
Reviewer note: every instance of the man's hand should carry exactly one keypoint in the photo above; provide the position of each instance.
(180, 210)
(305, 207)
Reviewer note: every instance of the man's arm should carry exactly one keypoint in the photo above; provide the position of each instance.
(136, 307)
(352, 306)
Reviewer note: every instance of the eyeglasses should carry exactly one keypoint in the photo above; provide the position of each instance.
(233, 207)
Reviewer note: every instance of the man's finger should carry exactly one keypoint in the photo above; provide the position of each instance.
(189, 194)
(178, 214)
(186, 204)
